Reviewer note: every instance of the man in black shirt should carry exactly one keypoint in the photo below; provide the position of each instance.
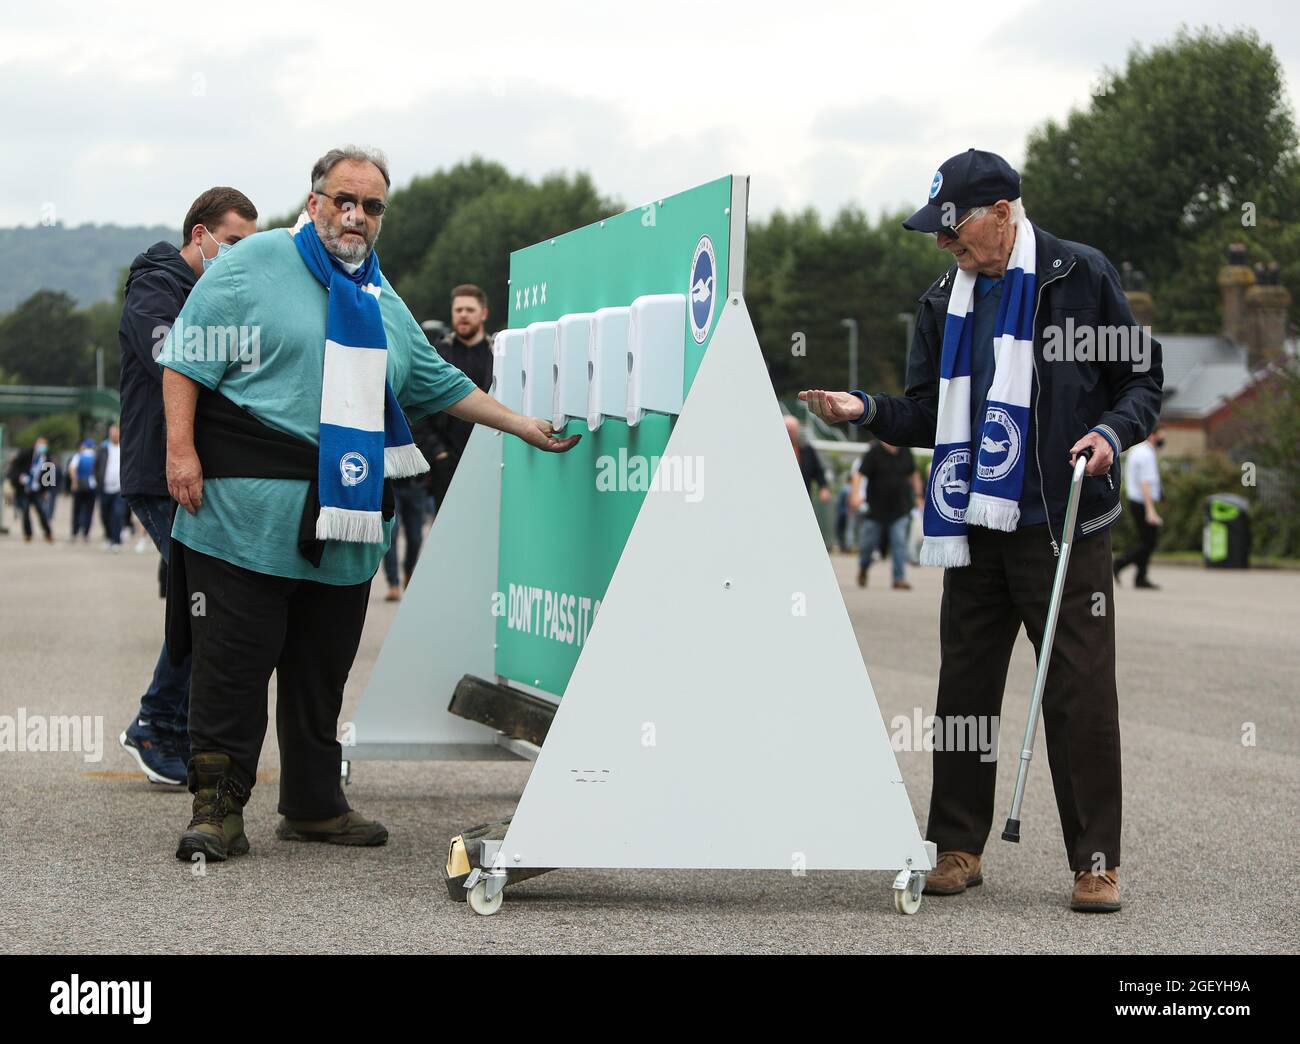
(893, 486)
(470, 351)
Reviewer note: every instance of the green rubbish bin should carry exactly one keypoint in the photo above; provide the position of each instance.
(1226, 537)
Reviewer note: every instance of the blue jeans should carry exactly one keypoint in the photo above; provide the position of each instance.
(410, 519)
(167, 703)
(871, 531)
(112, 511)
(83, 511)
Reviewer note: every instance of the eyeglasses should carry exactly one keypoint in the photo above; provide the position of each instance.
(974, 212)
(344, 200)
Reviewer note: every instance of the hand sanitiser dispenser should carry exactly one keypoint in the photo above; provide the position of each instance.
(539, 369)
(655, 347)
(607, 366)
(572, 343)
(508, 369)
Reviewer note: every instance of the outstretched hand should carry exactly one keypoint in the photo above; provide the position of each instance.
(833, 407)
(541, 434)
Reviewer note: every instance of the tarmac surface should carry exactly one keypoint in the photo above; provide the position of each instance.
(1210, 821)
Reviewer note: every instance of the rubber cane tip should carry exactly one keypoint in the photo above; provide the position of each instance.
(1012, 831)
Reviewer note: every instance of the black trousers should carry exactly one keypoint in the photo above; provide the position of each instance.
(1147, 535)
(245, 626)
(1008, 585)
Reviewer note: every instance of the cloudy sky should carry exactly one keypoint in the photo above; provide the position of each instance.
(124, 112)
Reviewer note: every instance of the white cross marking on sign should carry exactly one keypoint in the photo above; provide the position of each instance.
(543, 293)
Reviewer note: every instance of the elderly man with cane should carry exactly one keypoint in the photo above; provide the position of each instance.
(995, 384)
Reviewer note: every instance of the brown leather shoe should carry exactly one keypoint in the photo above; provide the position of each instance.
(956, 872)
(862, 577)
(1095, 892)
(902, 585)
(351, 828)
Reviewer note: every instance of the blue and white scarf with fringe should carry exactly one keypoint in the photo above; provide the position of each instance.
(988, 494)
(361, 424)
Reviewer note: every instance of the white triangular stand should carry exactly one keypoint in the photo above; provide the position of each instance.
(720, 715)
(444, 627)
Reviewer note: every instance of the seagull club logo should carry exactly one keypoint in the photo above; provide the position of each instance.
(936, 184)
(353, 468)
(951, 488)
(1000, 445)
(704, 269)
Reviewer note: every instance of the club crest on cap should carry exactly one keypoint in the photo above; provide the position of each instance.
(936, 184)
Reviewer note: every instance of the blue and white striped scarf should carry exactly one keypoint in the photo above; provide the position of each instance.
(991, 496)
(361, 423)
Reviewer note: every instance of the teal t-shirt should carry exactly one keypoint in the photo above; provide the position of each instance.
(253, 329)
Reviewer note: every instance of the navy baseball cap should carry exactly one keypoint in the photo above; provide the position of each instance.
(970, 179)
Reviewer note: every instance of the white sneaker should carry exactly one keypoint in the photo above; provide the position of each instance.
(141, 546)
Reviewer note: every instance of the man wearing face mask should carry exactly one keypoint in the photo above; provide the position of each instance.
(159, 282)
(281, 468)
(33, 474)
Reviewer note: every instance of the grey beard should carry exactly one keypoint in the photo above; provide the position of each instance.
(344, 250)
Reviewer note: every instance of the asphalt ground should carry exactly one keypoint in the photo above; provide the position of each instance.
(1210, 822)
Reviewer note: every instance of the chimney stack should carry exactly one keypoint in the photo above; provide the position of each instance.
(1140, 301)
(1267, 306)
(1235, 278)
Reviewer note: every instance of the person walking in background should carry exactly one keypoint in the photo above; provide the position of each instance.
(811, 468)
(33, 474)
(893, 485)
(157, 287)
(444, 438)
(108, 479)
(409, 496)
(81, 475)
(1142, 488)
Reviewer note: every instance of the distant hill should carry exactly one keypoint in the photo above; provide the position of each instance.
(86, 262)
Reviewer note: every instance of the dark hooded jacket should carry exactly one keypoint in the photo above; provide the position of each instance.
(156, 289)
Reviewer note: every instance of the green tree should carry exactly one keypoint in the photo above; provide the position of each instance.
(46, 340)
(1176, 154)
(475, 244)
(803, 280)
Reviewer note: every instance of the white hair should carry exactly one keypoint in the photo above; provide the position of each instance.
(1017, 210)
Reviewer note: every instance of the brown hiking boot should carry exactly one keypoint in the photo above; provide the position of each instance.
(1096, 892)
(217, 827)
(351, 828)
(956, 872)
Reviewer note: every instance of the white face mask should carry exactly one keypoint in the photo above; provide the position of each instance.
(208, 262)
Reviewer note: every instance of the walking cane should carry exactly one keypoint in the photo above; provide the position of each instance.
(1012, 830)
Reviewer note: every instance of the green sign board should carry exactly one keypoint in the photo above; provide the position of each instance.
(565, 517)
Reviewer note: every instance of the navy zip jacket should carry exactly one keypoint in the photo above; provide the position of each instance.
(1071, 398)
(159, 282)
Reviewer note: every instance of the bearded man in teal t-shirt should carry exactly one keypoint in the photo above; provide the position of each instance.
(302, 411)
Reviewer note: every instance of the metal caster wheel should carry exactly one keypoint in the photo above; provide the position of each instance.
(479, 901)
(908, 887)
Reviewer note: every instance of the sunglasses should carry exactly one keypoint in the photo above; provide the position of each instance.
(952, 232)
(344, 200)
